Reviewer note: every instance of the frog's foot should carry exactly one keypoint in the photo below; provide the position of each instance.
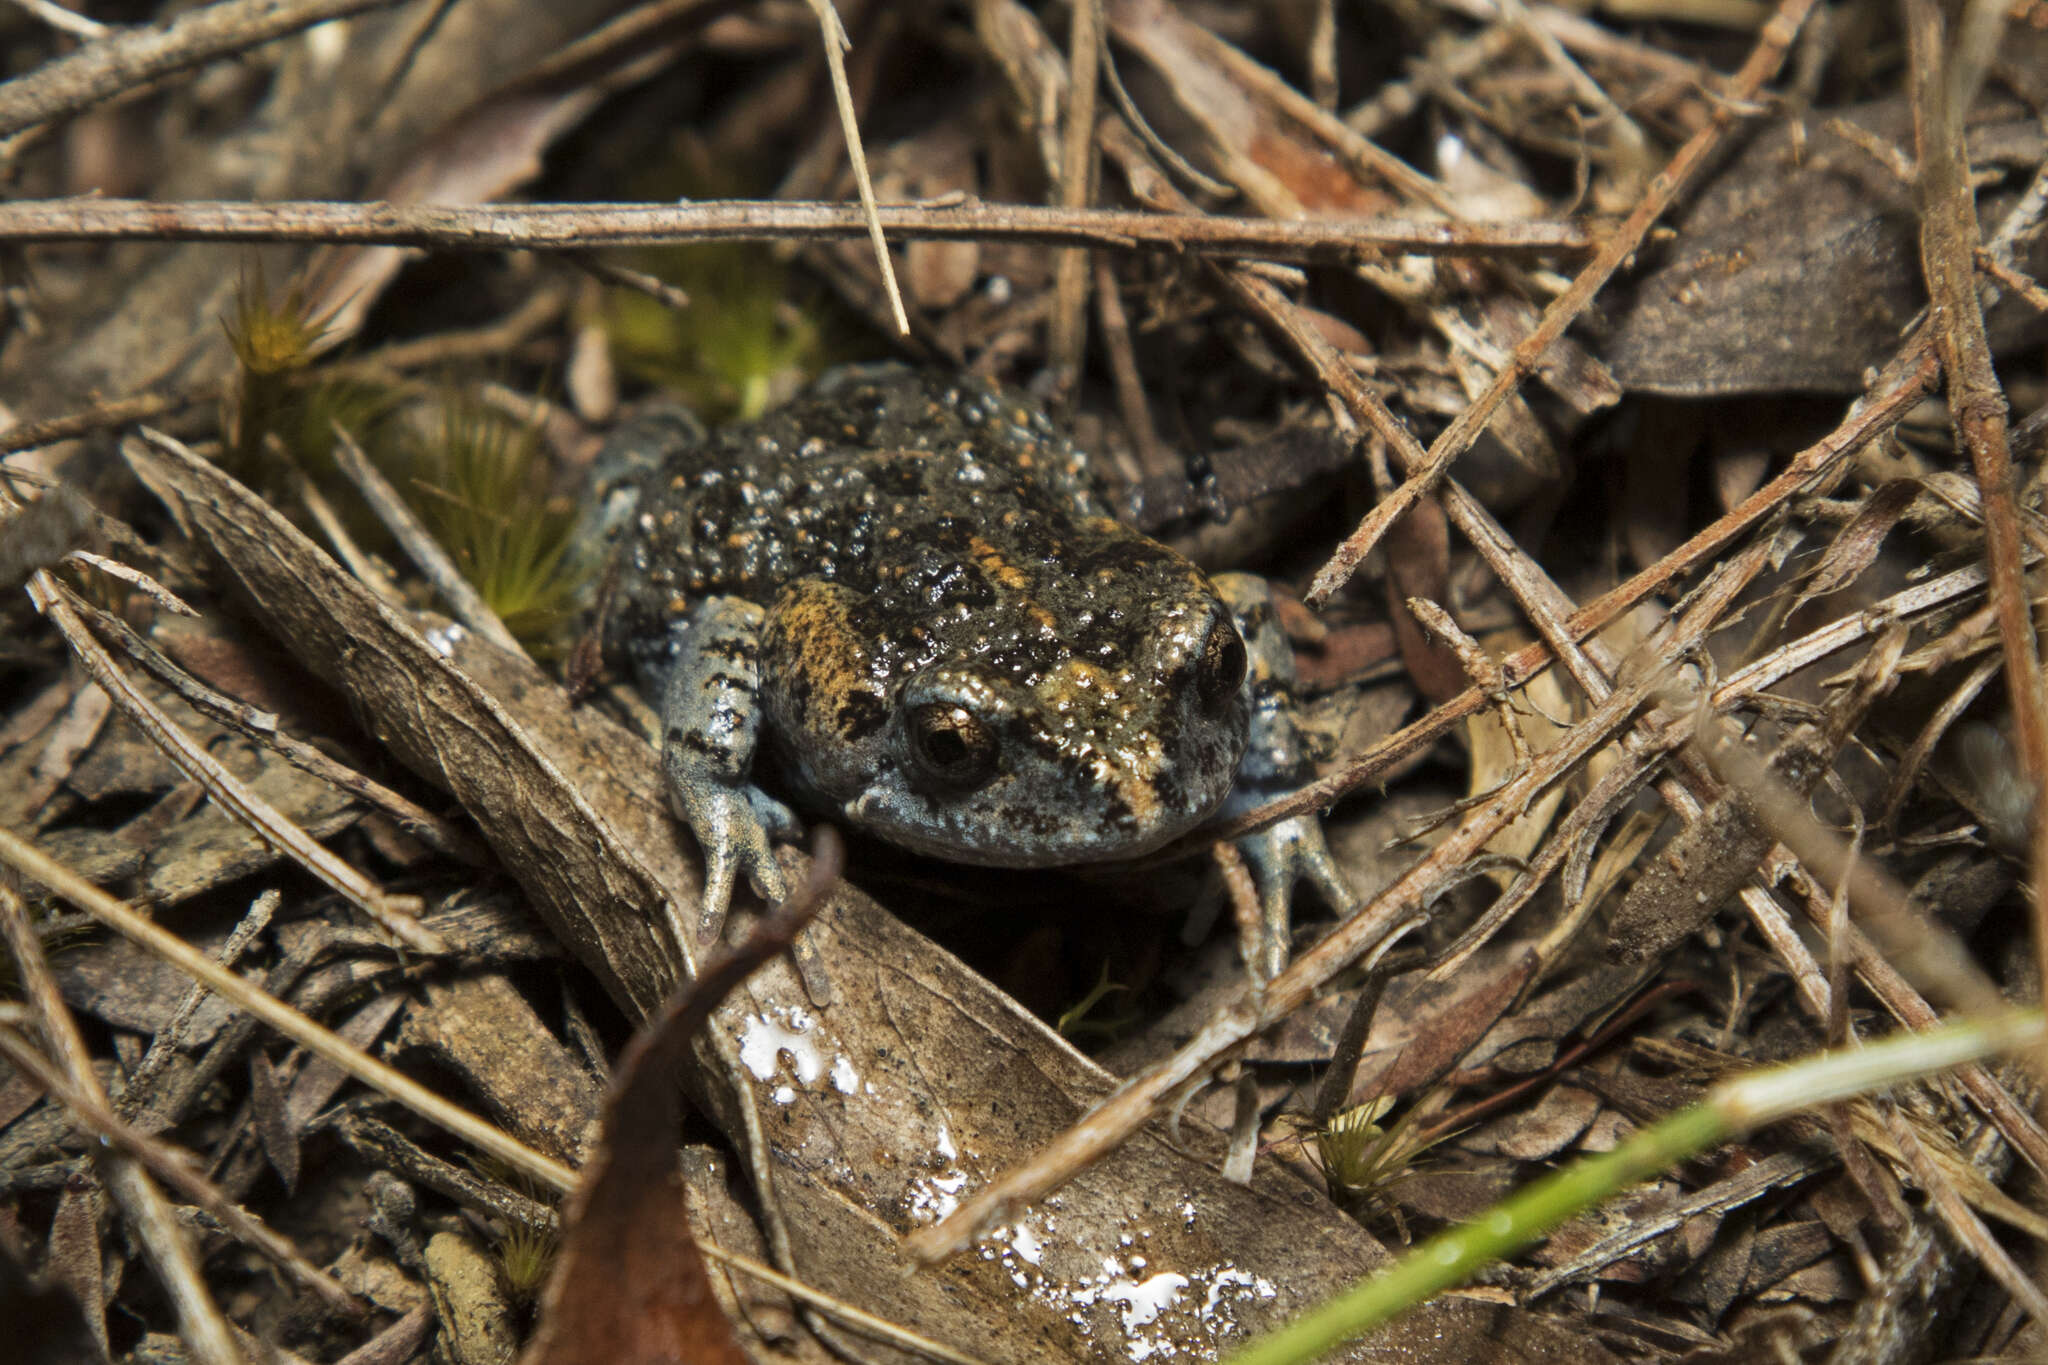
(1282, 855)
(710, 723)
(736, 827)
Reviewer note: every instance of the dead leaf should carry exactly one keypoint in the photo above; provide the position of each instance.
(74, 1259)
(1796, 267)
(273, 1126)
(629, 1285)
(1272, 148)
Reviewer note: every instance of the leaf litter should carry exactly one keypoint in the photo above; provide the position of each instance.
(1621, 909)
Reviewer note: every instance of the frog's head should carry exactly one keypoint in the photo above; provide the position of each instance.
(1081, 755)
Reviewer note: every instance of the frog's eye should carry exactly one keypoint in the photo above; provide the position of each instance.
(1220, 670)
(952, 747)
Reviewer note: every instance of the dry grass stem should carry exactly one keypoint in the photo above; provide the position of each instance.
(583, 227)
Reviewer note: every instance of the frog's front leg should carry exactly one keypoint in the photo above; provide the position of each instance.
(710, 724)
(1275, 763)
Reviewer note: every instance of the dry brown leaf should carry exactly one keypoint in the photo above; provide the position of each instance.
(1280, 163)
(629, 1286)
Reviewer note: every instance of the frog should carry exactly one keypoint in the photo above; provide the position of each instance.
(901, 601)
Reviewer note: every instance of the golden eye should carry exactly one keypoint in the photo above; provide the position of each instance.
(1219, 673)
(952, 747)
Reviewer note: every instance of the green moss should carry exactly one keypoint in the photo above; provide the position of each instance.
(272, 339)
(482, 485)
(525, 1256)
(737, 350)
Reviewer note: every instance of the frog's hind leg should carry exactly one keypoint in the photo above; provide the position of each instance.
(710, 725)
(1275, 763)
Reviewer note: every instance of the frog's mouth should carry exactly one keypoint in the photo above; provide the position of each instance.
(1021, 833)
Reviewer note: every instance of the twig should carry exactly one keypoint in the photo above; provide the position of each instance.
(2026, 288)
(575, 227)
(836, 43)
(639, 281)
(146, 407)
(1948, 242)
(130, 57)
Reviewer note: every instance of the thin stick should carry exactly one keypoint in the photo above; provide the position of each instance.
(130, 57)
(573, 227)
(1948, 243)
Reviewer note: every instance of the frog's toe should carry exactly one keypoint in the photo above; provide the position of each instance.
(776, 818)
(736, 829)
(1283, 855)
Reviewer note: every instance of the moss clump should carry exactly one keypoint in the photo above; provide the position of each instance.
(741, 346)
(482, 485)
